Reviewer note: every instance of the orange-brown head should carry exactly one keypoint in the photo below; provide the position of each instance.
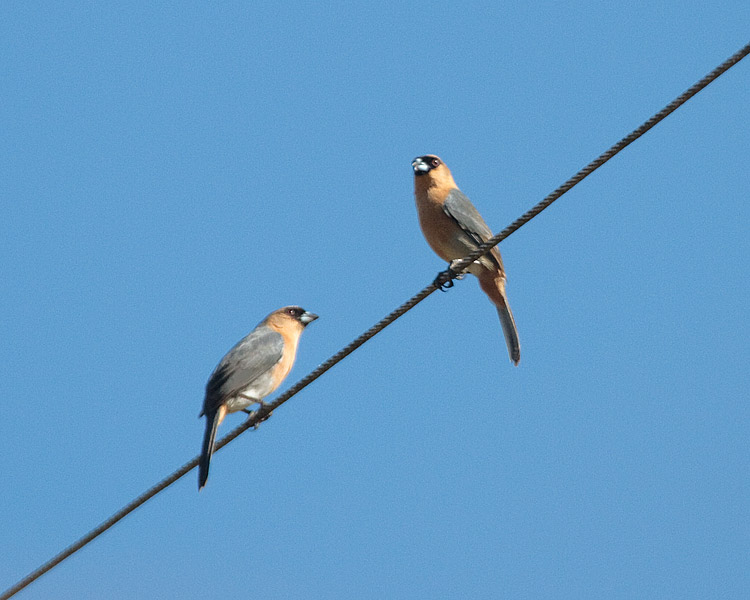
(431, 173)
(290, 320)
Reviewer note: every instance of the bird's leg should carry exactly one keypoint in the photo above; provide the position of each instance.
(250, 402)
(444, 279)
(253, 413)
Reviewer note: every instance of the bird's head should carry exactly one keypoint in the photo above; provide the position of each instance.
(423, 165)
(431, 172)
(290, 318)
(297, 314)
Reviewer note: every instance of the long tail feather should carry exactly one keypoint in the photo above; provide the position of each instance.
(209, 439)
(494, 286)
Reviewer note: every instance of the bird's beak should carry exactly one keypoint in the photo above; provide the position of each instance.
(307, 317)
(420, 167)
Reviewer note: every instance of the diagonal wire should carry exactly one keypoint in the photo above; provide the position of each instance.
(461, 266)
(457, 268)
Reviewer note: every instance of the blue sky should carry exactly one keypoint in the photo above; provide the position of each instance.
(172, 172)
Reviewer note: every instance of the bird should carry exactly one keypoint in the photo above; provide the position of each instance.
(251, 370)
(454, 228)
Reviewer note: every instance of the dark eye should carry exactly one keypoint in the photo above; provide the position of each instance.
(435, 162)
(293, 312)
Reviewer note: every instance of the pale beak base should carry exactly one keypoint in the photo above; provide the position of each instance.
(420, 167)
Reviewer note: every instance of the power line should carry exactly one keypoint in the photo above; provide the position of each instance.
(458, 268)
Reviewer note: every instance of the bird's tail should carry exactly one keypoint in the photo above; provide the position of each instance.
(209, 438)
(493, 284)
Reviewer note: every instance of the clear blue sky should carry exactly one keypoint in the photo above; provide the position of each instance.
(171, 172)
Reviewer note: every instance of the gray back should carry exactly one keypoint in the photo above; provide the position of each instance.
(250, 358)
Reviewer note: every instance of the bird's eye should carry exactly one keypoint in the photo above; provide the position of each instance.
(435, 162)
(292, 311)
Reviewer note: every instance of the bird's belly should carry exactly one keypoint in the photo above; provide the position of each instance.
(252, 394)
(447, 239)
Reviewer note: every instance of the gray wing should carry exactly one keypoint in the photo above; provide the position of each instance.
(459, 208)
(253, 356)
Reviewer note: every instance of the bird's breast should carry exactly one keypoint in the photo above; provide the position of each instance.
(441, 232)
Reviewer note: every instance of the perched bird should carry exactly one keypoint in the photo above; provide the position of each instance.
(453, 229)
(250, 371)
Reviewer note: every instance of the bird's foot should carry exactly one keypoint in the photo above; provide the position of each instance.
(444, 279)
(253, 414)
